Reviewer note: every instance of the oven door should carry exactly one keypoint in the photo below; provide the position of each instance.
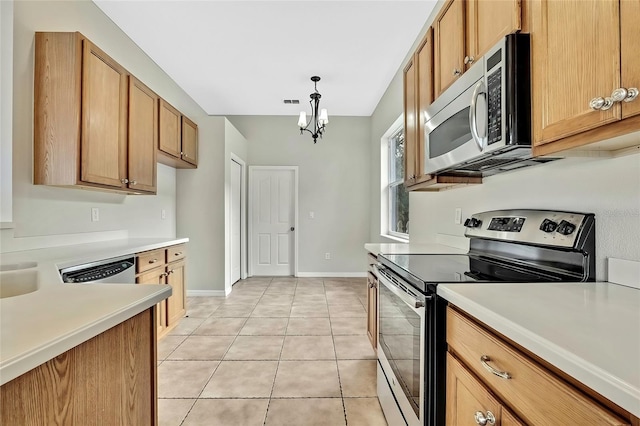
(401, 344)
(456, 126)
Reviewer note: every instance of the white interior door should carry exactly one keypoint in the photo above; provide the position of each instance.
(272, 219)
(236, 212)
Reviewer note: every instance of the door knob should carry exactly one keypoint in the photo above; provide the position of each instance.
(293, 229)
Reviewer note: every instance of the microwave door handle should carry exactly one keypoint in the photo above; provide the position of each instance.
(473, 122)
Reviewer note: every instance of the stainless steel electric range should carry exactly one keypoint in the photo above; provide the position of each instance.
(505, 246)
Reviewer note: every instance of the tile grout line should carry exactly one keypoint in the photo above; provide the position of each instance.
(335, 352)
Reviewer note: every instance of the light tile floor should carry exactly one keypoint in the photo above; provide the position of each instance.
(281, 351)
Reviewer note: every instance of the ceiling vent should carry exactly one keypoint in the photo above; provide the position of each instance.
(292, 101)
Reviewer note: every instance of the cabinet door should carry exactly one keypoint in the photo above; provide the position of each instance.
(104, 119)
(630, 34)
(189, 141)
(176, 304)
(424, 62)
(410, 120)
(143, 136)
(466, 396)
(156, 276)
(488, 21)
(170, 133)
(449, 45)
(509, 419)
(372, 310)
(576, 57)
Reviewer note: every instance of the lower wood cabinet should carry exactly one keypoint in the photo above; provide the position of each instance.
(165, 266)
(110, 379)
(487, 373)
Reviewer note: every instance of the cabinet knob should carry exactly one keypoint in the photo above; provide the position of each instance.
(632, 93)
(153, 260)
(468, 60)
(456, 72)
(619, 94)
(125, 180)
(132, 182)
(482, 419)
(601, 104)
(181, 153)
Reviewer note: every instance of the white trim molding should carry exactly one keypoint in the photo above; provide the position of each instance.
(207, 293)
(332, 274)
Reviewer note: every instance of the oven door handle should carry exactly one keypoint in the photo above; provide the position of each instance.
(415, 304)
(473, 120)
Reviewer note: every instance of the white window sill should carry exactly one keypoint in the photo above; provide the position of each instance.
(394, 238)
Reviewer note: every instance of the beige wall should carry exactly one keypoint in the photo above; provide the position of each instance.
(40, 210)
(333, 183)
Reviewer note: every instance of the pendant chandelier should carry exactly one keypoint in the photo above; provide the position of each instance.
(319, 118)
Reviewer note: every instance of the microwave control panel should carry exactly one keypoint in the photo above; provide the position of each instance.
(494, 101)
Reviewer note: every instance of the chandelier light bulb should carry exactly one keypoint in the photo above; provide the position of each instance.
(324, 117)
(302, 121)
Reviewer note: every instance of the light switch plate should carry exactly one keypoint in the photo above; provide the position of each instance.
(95, 214)
(458, 216)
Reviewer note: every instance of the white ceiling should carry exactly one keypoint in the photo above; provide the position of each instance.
(245, 57)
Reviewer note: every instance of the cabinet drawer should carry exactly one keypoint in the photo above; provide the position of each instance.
(149, 260)
(535, 394)
(175, 253)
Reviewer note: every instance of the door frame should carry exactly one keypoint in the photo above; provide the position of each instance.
(243, 218)
(295, 214)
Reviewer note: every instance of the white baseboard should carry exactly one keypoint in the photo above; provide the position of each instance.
(206, 293)
(332, 274)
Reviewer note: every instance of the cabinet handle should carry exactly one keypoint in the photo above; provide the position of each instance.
(456, 72)
(601, 104)
(178, 253)
(153, 260)
(125, 180)
(132, 182)
(632, 93)
(468, 60)
(482, 419)
(170, 272)
(181, 153)
(619, 94)
(484, 360)
(164, 274)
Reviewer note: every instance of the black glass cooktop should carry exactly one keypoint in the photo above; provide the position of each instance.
(425, 271)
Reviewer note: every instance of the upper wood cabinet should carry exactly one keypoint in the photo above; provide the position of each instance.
(178, 144)
(418, 95)
(410, 124)
(466, 30)
(189, 141)
(94, 124)
(143, 136)
(488, 21)
(449, 29)
(583, 52)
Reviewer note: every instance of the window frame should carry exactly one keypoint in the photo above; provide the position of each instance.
(386, 202)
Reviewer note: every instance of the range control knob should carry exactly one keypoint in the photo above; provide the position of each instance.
(472, 223)
(566, 228)
(548, 225)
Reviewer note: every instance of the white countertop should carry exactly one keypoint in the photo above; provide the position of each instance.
(38, 326)
(591, 331)
(411, 248)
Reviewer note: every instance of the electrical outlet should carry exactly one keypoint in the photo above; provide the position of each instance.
(163, 214)
(458, 217)
(95, 214)
(312, 215)
(327, 256)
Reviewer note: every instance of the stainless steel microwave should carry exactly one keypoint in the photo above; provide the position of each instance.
(481, 124)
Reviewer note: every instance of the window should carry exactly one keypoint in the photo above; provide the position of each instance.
(394, 200)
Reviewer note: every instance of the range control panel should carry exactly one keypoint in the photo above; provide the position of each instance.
(543, 227)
